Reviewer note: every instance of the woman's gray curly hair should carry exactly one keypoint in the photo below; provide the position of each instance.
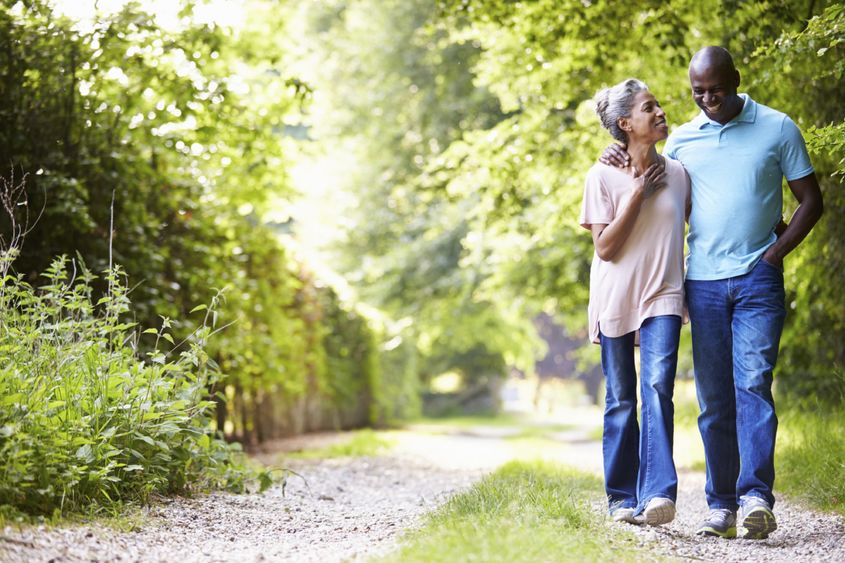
(615, 102)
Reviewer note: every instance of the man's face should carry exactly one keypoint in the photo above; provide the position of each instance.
(714, 91)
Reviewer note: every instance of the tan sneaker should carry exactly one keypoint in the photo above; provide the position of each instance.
(659, 511)
(624, 514)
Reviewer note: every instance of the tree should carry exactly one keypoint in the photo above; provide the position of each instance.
(396, 91)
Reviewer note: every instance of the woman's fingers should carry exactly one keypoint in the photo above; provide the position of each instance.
(652, 170)
(654, 178)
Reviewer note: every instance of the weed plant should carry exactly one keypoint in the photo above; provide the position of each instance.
(88, 420)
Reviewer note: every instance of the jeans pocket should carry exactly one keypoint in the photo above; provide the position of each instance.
(778, 269)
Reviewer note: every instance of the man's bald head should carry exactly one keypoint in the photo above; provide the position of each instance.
(714, 58)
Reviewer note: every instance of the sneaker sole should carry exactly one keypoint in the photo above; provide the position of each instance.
(658, 515)
(730, 533)
(626, 516)
(758, 524)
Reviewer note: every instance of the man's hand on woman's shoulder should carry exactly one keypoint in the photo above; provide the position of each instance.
(616, 155)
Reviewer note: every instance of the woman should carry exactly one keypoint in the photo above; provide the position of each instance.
(636, 216)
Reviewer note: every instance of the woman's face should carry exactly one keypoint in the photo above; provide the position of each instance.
(647, 123)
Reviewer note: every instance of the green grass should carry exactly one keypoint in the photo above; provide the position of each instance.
(473, 420)
(523, 512)
(689, 450)
(810, 456)
(524, 426)
(119, 516)
(539, 431)
(360, 443)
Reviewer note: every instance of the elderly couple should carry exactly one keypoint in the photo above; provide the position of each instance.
(722, 172)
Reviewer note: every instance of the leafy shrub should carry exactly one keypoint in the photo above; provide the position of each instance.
(85, 417)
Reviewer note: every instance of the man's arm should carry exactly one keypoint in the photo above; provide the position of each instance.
(810, 207)
(780, 227)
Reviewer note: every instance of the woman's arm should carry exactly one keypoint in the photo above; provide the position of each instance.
(609, 239)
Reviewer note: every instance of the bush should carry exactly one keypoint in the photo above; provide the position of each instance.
(85, 418)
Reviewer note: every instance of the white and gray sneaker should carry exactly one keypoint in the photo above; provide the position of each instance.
(756, 519)
(624, 514)
(659, 510)
(720, 522)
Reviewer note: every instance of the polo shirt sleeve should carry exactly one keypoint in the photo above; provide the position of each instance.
(597, 207)
(670, 148)
(794, 160)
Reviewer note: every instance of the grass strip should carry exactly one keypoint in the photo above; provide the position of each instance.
(525, 511)
(361, 443)
(810, 457)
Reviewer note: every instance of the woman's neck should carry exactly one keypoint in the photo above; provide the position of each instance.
(642, 156)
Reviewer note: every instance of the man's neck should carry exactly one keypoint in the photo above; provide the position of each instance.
(739, 103)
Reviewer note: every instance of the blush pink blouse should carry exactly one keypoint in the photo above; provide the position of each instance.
(646, 277)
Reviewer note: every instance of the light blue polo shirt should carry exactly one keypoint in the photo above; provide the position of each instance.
(737, 171)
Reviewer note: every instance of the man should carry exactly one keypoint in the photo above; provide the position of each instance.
(737, 152)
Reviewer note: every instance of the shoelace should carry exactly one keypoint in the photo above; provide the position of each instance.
(723, 513)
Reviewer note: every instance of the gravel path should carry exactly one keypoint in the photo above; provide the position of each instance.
(354, 509)
(350, 508)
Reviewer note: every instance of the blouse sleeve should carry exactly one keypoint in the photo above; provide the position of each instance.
(596, 208)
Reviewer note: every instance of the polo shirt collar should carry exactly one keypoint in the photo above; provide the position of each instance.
(747, 115)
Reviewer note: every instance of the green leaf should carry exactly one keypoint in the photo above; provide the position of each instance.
(85, 453)
(265, 481)
(146, 439)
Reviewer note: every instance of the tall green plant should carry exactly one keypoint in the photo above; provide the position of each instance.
(85, 417)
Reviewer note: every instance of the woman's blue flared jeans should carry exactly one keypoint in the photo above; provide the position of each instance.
(736, 326)
(639, 466)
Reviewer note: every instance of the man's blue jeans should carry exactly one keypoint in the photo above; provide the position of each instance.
(638, 467)
(736, 328)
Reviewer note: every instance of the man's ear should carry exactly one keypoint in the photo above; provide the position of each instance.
(737, 78)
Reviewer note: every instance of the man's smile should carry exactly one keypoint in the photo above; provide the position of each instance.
(713, 108)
